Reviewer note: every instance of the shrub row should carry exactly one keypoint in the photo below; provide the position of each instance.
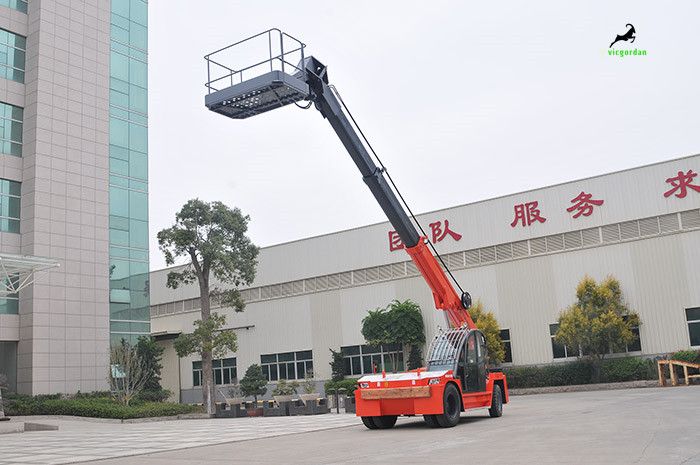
(86, 406)
(692, 356)
(348, 384)
(581, 372)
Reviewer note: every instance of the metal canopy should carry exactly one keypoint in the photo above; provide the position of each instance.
(17, 271)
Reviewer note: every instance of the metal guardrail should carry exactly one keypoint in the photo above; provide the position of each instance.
(220, 76)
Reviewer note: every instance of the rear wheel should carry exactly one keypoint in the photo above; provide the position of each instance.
(385, 422)
(451, 407)
(496, 409)
(369, 422)
(431, 421)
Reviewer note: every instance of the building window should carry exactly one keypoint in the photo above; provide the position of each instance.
(365, 359)
(634, 346)
(9, 205)
(560, 350)
(19, 5)
(224, 371)
(692, 316)
(287, 365)
(12, 55)
(9, 305)
(11, 129)
(505, 337)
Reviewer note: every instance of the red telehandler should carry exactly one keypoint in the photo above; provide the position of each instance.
(457, 377)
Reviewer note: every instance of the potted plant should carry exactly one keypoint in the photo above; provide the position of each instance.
(284, 391)
(309, 387)
(254, 384)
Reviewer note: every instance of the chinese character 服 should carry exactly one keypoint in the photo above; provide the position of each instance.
(526, 214)
(583, 204)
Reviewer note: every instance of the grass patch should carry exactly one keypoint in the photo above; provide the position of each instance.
(88, 406)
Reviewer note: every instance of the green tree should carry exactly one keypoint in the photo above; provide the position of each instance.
(487, 323)
(337, 364)
(598, 323)
(127, 372)
(212, 237)
(415, 358)
(150, 353)
(398, 323)
(254, 382)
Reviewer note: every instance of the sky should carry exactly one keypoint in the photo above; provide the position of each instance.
(463, 101)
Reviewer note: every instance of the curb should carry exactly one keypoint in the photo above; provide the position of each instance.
(183, 416)
(584, 387)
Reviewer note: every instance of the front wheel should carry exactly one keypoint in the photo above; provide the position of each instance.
(431, 421)
(451, 406)
(369, 422)
(385, 421)
(496, 409)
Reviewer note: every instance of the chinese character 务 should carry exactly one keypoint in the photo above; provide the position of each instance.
(395, 241)
(526, 214)
(682, 181)
(439, 233)
(583, 204)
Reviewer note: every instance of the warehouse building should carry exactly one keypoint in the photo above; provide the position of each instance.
(522, 255)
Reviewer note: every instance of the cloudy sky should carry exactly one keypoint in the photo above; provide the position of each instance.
(463, 102)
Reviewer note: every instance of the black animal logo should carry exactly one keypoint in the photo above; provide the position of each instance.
(629, 35)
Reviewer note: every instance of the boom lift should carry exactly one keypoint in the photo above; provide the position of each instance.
(457, 377)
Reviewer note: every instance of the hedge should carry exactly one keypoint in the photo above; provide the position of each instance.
(581, 372)
(83, 405)
(348, 384)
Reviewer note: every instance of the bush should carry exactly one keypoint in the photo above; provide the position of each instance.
(349, 385)
(556, 374)
(152, 395)
(690, 356)
(86, 406)
(580, 372)
(617, 370)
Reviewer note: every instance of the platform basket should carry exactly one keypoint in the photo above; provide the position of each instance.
(255, 75)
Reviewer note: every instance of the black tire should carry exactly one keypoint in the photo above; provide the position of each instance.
(369, 422)
(385, 422)
(452, 406)
(431, 421)
(496, 409)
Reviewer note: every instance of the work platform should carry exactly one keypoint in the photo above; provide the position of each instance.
(239, 89)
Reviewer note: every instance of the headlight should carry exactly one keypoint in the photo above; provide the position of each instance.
(364, 385)
(434, 381)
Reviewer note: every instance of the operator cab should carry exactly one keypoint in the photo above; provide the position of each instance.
(464, 352)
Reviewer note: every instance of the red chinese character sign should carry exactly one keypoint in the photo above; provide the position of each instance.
(526, 214)
(583, 205)
(438, 231)
(681, 183)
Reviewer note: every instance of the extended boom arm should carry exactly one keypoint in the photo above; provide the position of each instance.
(444, 295)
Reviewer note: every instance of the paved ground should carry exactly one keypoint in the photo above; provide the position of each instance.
(633, 426)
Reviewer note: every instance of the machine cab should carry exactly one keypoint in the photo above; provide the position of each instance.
(464, 352)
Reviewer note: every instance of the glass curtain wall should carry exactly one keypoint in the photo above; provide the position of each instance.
(128, 171)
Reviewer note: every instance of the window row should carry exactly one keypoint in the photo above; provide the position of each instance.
(223, 371)
(9, 205)
(367, 359)
(12, 56)
(11, 129)
(692, 316)
(287, 365)
(564, 351)
(19, 5)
